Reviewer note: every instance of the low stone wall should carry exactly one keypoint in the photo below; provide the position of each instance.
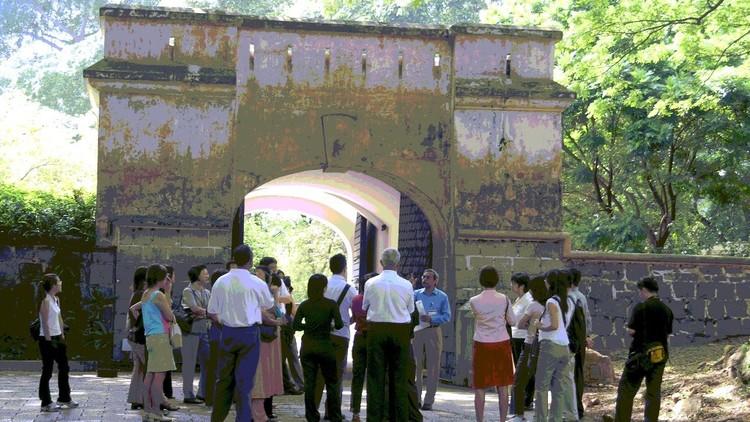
(709, 296)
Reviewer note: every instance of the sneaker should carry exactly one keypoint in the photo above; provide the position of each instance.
(136, 406)
(426, 407)
(68, 404)
(193, 400)
(52, 407)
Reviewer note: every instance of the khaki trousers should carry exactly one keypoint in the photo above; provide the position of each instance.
(554, 373)
(428, 346)
(137, 388)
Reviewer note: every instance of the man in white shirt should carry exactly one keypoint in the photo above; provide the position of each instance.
(339, 291)
(389, 302)
(238, 300)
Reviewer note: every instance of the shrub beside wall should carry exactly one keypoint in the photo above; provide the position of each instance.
(33, 216)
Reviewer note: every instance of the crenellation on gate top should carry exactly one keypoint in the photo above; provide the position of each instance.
(397, 55)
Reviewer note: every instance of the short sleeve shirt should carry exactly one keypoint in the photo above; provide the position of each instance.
(652, 322)
(388, 298)
(491, 314)
(194, 297)
(336, 284)
(238, 297)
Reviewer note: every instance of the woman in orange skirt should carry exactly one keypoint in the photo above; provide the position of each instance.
(493, 358)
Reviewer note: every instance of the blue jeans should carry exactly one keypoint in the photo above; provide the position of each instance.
(239, 352)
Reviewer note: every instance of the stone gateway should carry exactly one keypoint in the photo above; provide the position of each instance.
(197, 109)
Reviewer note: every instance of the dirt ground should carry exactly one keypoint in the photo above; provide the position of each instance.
(694, 371)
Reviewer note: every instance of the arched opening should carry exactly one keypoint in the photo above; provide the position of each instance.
(370, 214)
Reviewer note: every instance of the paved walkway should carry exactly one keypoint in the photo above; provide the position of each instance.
(103, 399)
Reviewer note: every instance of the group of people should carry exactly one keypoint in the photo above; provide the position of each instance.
(241, 333)
(537, 346)
(151, 323)
(384, 310)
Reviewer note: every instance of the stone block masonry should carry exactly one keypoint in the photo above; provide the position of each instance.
(707, 295)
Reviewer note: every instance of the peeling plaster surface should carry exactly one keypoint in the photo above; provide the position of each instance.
(140, 41)
(508, 164)
(484, 57)
(163, 156)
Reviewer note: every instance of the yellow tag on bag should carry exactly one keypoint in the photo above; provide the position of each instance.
(656, 353)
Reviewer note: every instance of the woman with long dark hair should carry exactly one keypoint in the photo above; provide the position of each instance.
(137, 341)
(52, 345)
(314, 316)
(157, 317)
(554, 364)
(527, 360)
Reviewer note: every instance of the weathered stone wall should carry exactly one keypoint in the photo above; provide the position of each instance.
(141, 244)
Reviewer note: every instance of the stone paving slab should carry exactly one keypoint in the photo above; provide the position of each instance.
(103, 399)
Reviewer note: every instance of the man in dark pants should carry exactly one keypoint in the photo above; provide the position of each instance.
(238, 299)
(650, 324)
(389, 301)
(414, 407)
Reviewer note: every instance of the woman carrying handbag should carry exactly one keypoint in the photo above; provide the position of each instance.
(52, 346)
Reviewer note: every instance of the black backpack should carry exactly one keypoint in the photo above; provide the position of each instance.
(576, 329)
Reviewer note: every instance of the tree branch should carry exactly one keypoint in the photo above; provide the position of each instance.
(36, 167)
(723, 54)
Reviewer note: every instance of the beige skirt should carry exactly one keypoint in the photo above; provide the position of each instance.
(159, 356)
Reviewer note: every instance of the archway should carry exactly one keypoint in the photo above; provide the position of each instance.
(369, 213)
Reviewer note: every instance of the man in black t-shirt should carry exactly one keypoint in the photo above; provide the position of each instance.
(650, 324)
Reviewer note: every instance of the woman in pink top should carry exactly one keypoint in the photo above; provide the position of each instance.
(493, 358)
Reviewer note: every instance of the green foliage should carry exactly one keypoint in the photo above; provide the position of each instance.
(300, 244)
(12, 348)
(42, 215)
(98, 306)
(62, 91)
(656, 156)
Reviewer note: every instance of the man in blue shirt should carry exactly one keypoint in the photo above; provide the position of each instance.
(434, 311)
